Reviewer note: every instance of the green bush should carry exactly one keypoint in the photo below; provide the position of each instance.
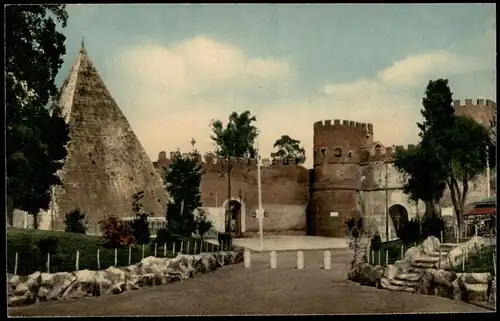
(32, 247)
(410, 232)
(74, 222)
(140, 229)
(433, 226)
(376, 242)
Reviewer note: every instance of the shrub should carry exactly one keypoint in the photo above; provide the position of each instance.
(115, 232)
(433, 226)
(75, 222)
(203, 225)
(140, 229)
(410, 232)
(376, 242)
(355, 226)
(164, 235)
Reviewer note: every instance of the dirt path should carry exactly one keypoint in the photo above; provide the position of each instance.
(259, 290)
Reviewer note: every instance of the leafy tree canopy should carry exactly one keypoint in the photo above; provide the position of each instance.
(287, 147)
(35, 137)
(452, 151)
(237, 138)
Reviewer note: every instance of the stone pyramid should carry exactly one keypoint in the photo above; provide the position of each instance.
(106, 164)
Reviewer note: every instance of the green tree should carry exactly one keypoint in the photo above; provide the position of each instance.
(36, 136)
(421, 172)
(452, 151)
(287, 147)
(183, 179)
(235, 140)
(140, 224)
(75, 221)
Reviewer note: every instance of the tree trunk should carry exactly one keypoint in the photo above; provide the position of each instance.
(35, 221)
(432, 208)
(10, 211)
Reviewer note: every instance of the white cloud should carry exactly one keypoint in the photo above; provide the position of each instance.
(170, 95)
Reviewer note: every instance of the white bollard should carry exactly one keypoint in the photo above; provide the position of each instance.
(327, 260)
(48, 262)
(173, 249)
(475, 230)
(402, 251)
(300, 260)
(373, 257)
(129, 254)
(247, 259)
(274, 260)
(77, 259)
(379, 261)
(15, 263)
(386, 257)
(142, 250)
(441, 237)
(156, 248)
(458, 235)
(195, 245)
(99, 260)
(165, 250)
(182, 245)
(187, 248)
(116, 257)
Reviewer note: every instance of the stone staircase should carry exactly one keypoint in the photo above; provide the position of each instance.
(407, 282)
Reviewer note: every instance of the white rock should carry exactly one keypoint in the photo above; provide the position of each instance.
(429, 245)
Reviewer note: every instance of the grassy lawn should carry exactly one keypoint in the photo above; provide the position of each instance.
(32, 247)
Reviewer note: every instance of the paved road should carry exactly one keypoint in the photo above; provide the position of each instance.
(234, 290)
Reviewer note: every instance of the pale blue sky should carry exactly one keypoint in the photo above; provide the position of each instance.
(172, 68)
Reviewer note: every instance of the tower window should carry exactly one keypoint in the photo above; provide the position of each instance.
(378, 148)
(337, 152)
(323, 151)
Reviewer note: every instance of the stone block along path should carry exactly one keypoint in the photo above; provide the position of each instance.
(234, 290)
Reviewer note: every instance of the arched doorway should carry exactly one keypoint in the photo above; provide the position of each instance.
(236, 217)
(399, 216)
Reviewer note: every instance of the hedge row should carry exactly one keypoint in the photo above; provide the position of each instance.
(32, 247)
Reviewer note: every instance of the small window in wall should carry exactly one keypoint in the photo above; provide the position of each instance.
(337, 152)
(378, 148)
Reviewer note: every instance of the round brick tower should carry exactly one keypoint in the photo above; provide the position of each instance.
(337, 152)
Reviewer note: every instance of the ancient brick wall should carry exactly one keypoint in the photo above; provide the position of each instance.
(284, 190)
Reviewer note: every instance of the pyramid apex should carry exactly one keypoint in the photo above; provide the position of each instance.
(82, 45)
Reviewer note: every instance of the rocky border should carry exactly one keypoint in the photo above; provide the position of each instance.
(41, 287)
(467, 287)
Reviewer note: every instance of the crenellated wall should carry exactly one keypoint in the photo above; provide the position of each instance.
(284, 191)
